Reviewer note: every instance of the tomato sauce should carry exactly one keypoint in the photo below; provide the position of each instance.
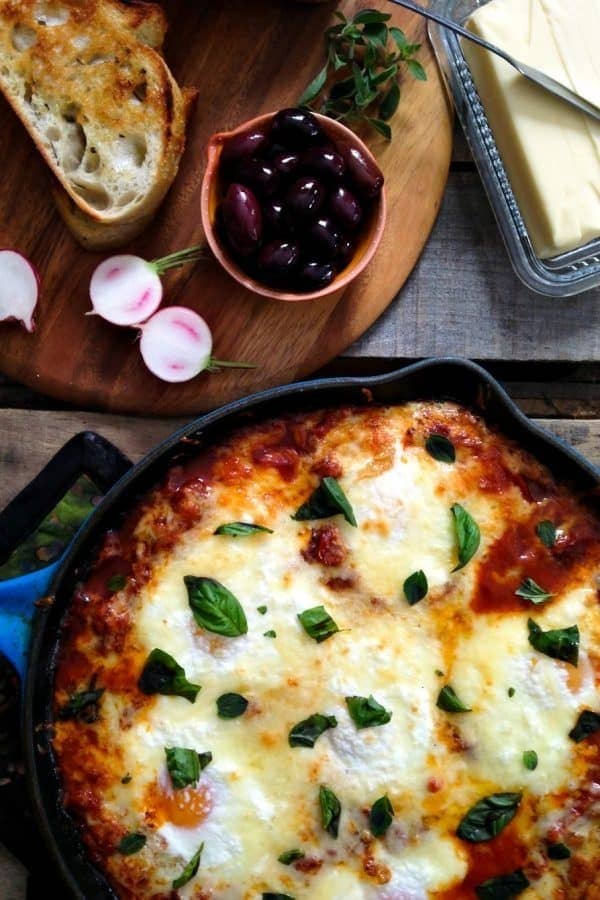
(504, 854)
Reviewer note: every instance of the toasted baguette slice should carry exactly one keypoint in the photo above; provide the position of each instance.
(96, 96)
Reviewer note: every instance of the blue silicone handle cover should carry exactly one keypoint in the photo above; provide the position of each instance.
(18, 597)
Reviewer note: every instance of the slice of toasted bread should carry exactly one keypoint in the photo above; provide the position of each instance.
(96, 96)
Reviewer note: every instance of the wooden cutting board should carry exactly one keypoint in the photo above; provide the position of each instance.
(245, 58)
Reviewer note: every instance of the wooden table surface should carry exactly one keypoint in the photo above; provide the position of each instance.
(461, 299)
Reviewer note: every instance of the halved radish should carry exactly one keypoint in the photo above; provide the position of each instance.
(19, 288)
(176, 345)
(127, 289)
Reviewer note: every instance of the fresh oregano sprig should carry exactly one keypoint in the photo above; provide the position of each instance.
(365, 59)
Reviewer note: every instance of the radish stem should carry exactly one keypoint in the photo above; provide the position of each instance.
(215, 364)
(179, 258)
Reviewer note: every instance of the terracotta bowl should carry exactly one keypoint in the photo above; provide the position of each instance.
(369, 234)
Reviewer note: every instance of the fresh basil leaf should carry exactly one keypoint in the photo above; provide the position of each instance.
(449, 702)
(190, 870)
(559, 643)
(488, 817)
(126, 779)
(530, 760)
(82, 706)
(163, 675)
(241, 529)
(415, 587)
(366, 712)
(261, 609)
(131, 843)
(315, 86)
(331, 810)
(270, 633)
(416, 70)
(270, 895)
(290, 856)
(587, 723)
(204, 759)
(317, 623)
(468, 535)
(328, 499)
(183, 765)
(438, 446)
(215, 607)
(558, 851)
(380, 816)
(546, 531)
(502, 887)
(389, 102)
(511, 692)
(230, 706)
(529, 590)
(306, 732)
(116, 583)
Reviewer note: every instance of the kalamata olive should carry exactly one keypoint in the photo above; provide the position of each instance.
(273, 219)
(325, 162)
(285, 163)
(345, 252)
(258, 175)
(313, 275)
(242, 146)
(242, 218)
(345, 208)
(277, 258)
(296, 128)
(365, 174)
(323, 239)
(303, 200)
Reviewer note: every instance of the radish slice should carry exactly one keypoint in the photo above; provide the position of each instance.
(176, 344)
(125, 290)
(19, 288)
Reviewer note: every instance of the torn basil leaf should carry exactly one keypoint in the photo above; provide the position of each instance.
(270, 633)
(317, 623)
(328, 499)
(230, 706)
(306, 732)
(415, 587)
(242, 529)
(116, 583)
(587, 723)
(468, 535)
(449, 702)
(131, 843)
(290, 856)
(183, 766)
(546, 531)
(190, 870)
(529, 590)
(82, 706)
(503, 887)
(261, 609)
(440, 448)
(558, 851)
(380, 816)
(366, 712)
(511, 692)
(488, 817)
(530, 760)
(215, 607)
(163, 675)
(204, 759)
(559, 643)
(331, 810)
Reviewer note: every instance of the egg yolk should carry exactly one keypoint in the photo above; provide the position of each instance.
(186, 807)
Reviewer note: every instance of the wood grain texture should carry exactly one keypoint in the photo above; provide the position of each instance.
(243, 65)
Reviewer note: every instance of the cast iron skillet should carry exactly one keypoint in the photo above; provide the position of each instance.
(442, 379)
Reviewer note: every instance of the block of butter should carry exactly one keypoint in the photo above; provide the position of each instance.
(551, 152)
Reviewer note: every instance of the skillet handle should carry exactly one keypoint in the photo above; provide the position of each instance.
(86, 453)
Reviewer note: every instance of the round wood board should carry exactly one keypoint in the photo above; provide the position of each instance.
(245, 59)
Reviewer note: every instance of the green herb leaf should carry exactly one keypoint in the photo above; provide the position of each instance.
(546, 531)
(261, 609)
(328, 499)
(270, 633)
(190, 870)
(529, 590)
(488, 817)
(163, 675)
(382, 127)
(415, 587)
(306, 732)
(331, 810)
(559, 643)
(587, 723)
(366, 712)
(380, 816)
(215, 607)
(468, 535)
(503, 887)
(116, 583)
(270, 895)
(126, 779)
(511, 692)
(131, 843)
(204, 759)
(183, 765)
(438, 446)
(416, 70)
(82, 706)
(242, 529)
(290, 856)
(368, 16)
(558, 851)
(530, 760)
(317, 623)
(398, 37)
(314, 87)
(449, 702)
(230, 706)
